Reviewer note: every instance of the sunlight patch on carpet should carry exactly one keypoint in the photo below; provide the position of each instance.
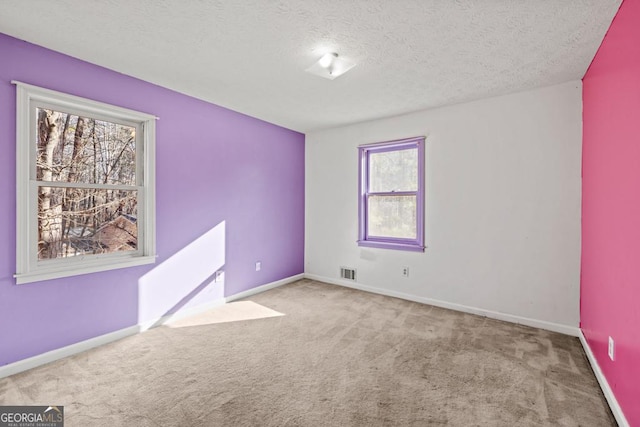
(231, 312)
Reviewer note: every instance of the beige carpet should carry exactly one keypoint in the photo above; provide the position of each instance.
(320, 355)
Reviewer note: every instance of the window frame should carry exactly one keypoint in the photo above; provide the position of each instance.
(366, 240)
(28, 267)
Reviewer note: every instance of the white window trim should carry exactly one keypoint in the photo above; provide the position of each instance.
(28, 268)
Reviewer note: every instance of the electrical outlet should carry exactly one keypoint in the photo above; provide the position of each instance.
(219, 276)
(405, 271)
(611, 349)
(258, 265)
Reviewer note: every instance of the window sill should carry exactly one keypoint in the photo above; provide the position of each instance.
(411, 247)
(50, 273)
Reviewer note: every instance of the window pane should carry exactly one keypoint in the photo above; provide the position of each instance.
(83, 149)
(79, 221)
(393, 171)
(392, 216)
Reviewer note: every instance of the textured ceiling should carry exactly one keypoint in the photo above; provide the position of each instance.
(251, 55)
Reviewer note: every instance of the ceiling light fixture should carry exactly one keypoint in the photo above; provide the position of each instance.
(330, 66)
(327, 60)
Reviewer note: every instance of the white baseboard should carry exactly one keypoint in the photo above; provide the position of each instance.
(70, 350)
(60, 353)
(616, 410)
(266, 287)
(555, 327)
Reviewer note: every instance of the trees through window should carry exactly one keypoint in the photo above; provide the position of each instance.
(96, 211)
(85, 185)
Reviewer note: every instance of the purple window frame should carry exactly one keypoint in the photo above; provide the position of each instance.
(364, 151)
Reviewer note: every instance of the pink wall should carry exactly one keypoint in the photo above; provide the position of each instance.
(610, 288)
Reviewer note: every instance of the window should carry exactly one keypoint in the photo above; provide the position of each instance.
(391, 205)
(85, 186)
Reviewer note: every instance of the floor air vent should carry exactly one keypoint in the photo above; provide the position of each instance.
(348, 273)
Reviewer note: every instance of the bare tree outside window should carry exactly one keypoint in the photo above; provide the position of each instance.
(81, 166)
(85, 185)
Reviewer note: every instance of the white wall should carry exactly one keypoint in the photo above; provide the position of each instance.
(503, 180)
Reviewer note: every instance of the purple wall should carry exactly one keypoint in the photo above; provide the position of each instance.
(214, 166)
